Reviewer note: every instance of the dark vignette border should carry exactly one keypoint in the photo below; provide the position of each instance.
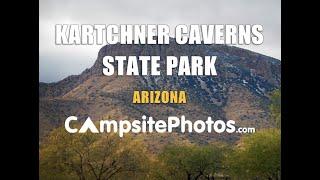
(20, 79)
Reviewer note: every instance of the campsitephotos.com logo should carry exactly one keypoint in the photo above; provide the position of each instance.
(148, 124)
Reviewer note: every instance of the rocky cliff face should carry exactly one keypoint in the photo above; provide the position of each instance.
(239, 91)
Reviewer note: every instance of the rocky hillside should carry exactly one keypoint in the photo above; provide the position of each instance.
(239, 92)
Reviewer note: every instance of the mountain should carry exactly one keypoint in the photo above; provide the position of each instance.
(239, 91)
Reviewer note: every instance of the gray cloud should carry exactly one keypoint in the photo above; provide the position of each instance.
(59, 62)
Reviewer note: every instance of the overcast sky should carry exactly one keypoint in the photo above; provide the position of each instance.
(58, 62)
